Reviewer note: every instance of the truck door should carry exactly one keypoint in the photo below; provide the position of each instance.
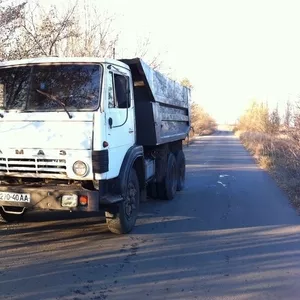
(120, 118)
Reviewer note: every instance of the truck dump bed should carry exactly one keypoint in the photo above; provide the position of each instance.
(161, 105)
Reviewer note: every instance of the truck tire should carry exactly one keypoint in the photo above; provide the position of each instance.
(180, 161)
(123, 221)
(167, 188)
(9, 218)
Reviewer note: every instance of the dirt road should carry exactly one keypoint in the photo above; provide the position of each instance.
(231, 234)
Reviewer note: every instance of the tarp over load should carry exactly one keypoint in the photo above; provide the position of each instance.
(162, 105)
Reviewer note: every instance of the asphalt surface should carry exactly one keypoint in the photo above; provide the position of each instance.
(231, 234)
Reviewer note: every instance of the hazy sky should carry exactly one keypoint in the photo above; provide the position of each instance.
(231, 50)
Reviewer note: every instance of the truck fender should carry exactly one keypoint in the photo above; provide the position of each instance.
(133, 158)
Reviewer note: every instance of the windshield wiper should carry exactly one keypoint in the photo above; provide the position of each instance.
(52, 97)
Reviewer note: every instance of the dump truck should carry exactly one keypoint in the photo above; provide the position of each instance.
(89, 134)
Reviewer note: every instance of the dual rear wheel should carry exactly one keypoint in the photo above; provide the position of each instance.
(174, 179)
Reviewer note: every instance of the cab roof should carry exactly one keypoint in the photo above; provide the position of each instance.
(58, 60)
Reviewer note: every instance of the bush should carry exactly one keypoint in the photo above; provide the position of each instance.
(257, 118)
(202, 122)
(280, 155)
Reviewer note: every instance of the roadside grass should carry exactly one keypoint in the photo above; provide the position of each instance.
(280, 155)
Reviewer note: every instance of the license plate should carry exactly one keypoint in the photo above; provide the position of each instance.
(14, 197)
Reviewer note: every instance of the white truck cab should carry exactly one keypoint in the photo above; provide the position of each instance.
(83, 134)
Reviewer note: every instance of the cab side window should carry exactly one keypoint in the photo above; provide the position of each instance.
(118, 91)
(122, 91)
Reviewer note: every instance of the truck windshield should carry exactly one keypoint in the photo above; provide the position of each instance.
(31, 88)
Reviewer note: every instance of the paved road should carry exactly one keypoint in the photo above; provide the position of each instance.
(231, 234)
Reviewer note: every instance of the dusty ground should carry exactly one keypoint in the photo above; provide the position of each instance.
(231, 234)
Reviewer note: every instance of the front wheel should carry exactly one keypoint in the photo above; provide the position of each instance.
(124, 219)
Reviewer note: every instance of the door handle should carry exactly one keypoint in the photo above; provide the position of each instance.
(130, 130)
(110, 122)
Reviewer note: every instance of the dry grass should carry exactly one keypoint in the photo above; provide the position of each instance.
(280, 155)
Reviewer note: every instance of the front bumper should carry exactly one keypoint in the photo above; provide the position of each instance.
(50, 198)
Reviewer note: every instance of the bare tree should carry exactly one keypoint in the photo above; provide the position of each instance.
(288, 114)
(142, 50)
(255, 118)
(45, 31)
(97, 38)
(274, 121)
(81, 30)
(10, 16)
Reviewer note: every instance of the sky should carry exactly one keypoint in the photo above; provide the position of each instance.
(232, 51)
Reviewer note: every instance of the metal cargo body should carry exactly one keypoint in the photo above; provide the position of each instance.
(161, 105)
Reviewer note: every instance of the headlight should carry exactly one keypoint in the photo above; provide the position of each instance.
(80, 168)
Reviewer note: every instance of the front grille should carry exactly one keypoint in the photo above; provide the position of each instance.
(33, 165)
